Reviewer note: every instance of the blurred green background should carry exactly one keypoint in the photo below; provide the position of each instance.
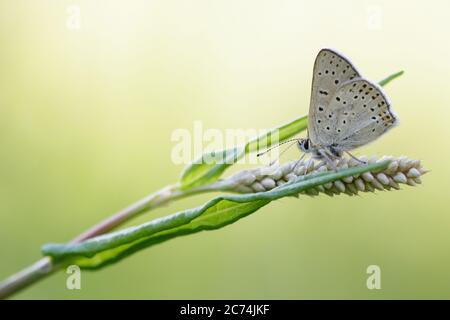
(87, 109)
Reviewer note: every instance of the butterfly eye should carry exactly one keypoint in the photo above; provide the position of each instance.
(306, 144)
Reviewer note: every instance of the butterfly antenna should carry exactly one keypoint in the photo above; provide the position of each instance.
(287, 148)
(282, 152)
(280, 144)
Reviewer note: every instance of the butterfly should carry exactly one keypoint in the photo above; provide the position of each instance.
(346, 110)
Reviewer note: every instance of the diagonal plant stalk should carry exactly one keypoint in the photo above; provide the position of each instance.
(352, 177)
(196, 178)
(386, 173)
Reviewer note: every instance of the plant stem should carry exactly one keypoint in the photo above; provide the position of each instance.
(46, 266)
(27, 276)
(151, 201)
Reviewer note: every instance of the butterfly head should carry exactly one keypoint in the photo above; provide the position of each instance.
(304, 145)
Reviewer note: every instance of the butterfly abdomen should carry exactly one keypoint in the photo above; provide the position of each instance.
(335, 150)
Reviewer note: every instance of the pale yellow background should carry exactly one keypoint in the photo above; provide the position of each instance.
(86, 117)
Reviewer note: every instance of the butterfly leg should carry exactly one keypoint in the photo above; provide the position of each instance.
(355, 158)
(328, 158)
(297, 163)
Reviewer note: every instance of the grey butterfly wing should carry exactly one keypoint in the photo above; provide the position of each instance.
(331, 70)
(358, 113)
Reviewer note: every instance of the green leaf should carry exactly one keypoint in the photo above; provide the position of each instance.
(210, 166)
(388, 79)
(204, 171)
(216, 213)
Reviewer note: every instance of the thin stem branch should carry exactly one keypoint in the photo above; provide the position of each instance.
(151, 201)
(27, 276)
(46, 266)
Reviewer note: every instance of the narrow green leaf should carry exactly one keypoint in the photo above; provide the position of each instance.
(206, 169)
(210, 166)
(388, 79)
(202, 172)
(216, 213)
(281, 133)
